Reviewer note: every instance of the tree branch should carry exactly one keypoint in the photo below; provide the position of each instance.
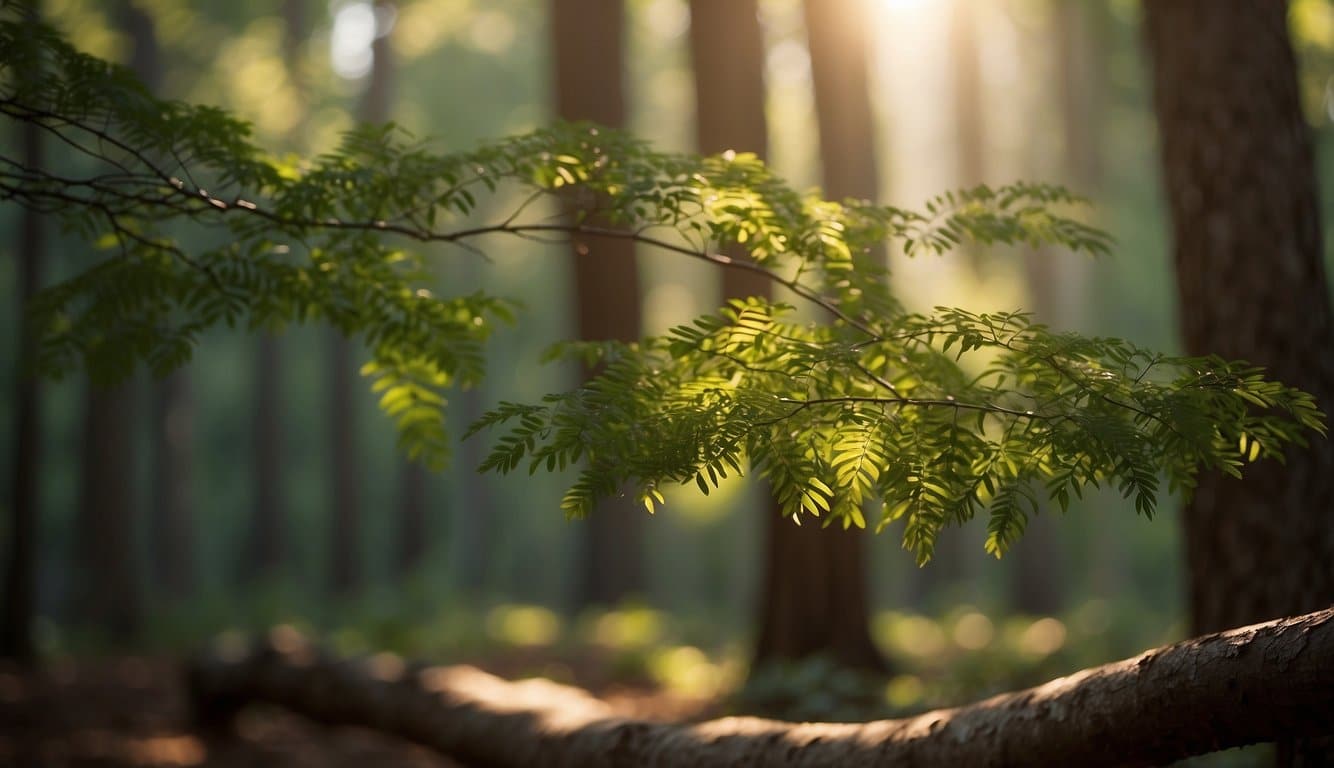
(1253, 684)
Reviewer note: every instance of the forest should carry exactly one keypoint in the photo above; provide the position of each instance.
(666, 382)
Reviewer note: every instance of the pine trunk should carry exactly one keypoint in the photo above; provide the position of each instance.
(1239, 172)
(813, 591)
(589, 43)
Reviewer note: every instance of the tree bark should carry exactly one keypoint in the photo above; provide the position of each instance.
(20, 604)
(266, 537)
(412, 532)
(170, 522)
(813, 597)
(1240, 179)
(1257, 683)
(109, 590)
(266, 532)
(588, 42)
(1252, 286)
(347, 524)
(345, 546)
(171, 527)
(727, 49)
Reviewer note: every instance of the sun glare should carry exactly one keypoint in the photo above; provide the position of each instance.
(906, 5)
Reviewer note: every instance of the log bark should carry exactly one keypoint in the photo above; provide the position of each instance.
(1258, 683)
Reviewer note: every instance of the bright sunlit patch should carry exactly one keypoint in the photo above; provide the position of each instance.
(1043, 637)
(523, 625)
(356, 26)
(907, 5)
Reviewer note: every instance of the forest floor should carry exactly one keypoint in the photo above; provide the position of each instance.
(133, 711)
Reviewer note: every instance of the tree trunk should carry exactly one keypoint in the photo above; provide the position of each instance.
(1257, 683)
(727, 48)
(813, 593)
(171, 529)
(1240, 179)
(266, 537)
(588, 38)
(473, 530)
(170, 522)
(412, 533)
(109, 592)
(1055, 277)
(837, 33)
(347, 524)
(955, 552)
(20, 604)
(345, 550)
(412, 477)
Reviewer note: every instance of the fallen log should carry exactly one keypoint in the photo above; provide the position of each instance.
(1259, 683)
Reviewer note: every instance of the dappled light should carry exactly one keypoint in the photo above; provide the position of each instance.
(685, 382)
(523, 625)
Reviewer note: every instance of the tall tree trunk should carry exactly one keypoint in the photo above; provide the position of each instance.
(1240, 179)
(347, 524)
(109, 591)
(412, 477)
(1055, 278)
(588, 38)
(110, 595)
(813, 590)
(345, 545)
(837, 32)
(20, 597)
(955, 552)
(171, 529)
(170, 522)
(473, 531)
(266, 536)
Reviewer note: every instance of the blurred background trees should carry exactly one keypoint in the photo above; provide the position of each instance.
(233, 464)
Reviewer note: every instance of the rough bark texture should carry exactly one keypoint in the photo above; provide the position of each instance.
(813, 592)
(588, 39)
(20, 603)
(727, 49)
(1240, 178)
(1239, 687)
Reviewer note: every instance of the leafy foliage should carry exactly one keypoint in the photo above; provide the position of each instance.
(931, 419)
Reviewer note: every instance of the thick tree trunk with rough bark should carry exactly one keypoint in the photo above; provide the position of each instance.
(588, 38)
(1252, 285)
(813, 597)
(1240, 178)
(1258, 683)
